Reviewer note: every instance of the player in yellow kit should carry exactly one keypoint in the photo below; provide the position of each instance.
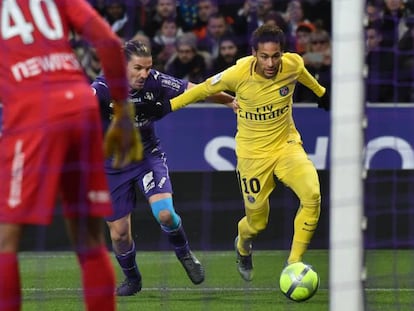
(267, 141)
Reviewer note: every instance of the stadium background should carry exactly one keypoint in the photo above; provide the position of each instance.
(198, 143)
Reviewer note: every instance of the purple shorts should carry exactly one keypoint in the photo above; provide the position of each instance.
(150, 176)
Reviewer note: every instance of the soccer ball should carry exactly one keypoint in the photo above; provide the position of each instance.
(298, 281)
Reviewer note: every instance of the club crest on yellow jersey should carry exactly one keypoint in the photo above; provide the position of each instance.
(251, 199)
(283, 91)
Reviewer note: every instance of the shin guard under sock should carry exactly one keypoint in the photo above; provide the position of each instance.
(128, 263)
(178, 239)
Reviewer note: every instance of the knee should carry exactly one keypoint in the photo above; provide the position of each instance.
(315, 197)
(312, 198)
(119, 237)
(119, 233)
(259, 226)
(10, 235)
(165, 218)
(255, 226)
(164, 213)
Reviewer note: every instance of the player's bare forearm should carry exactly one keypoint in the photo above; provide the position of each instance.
(221, 98)
(234, 105)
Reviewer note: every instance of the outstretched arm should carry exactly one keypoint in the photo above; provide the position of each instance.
(195, 92)
(220, 98)
(324, 101)
(322, 93)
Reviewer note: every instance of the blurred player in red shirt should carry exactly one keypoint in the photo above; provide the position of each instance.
(51, 140)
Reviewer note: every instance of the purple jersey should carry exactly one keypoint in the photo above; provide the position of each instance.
(158, 87)
(151, 174)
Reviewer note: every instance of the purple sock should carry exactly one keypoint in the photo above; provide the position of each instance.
(128, 264)
(178, 239)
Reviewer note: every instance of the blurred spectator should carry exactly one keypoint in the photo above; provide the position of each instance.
(319, 12)
(86, 55)
(373, 12)
(319, 53)
(275, 18)
(303, 34)
(163, 44)
(294, 16)
(216, 28)
(115, 13)
(229, 7)
(393, 25)
(140, 36)
(406, 42)
(187, 14)
(250, 16)
(205, 8)
(229, 53)
(262, 8)
(406, 63)
(188, 63)
(380, 62)
(143, 10)
(164, 9)
(254, 11)
(318, 61)
(99, 6)
(92, 65)
(373, 37)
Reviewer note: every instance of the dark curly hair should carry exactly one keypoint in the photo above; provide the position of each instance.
(268, 33)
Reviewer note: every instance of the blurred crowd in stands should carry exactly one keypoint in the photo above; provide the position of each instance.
(389, 35)
(194, 39)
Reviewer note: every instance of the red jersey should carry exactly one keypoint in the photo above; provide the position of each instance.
(36, 58)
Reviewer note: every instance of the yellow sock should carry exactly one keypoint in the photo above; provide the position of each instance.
(297, 251)
(305, 224)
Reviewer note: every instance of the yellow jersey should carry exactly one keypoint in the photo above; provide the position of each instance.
(264, 117)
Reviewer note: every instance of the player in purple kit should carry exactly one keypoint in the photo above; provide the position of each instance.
(147, 87)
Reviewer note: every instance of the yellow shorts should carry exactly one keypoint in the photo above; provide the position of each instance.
(290, 165)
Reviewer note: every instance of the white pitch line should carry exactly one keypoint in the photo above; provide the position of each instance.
(143, 254)
(209, 289)
(172, 289)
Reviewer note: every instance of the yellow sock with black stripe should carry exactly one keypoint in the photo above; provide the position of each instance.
(305, 224)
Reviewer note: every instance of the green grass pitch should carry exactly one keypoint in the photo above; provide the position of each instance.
(51, 281)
